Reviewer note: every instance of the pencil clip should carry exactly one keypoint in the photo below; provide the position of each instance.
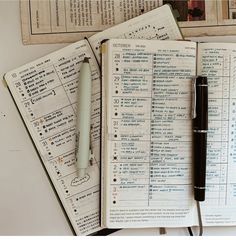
(194, 113)
(76, 144)
(91, 157)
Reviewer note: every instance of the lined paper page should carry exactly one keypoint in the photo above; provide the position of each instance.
(45, 92)
(218, 62)
(147, 169)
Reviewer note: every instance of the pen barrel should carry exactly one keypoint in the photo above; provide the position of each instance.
(84, 118)
(200, 127)
(200, 155)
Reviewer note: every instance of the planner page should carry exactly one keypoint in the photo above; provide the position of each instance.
(49, 88)
(156, 24)
(217, 61)
(45, 92)
(147, 164)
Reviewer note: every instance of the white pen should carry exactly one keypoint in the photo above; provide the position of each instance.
(83, 118)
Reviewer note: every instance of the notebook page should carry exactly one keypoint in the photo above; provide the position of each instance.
(45, 92)
(62, 170)
(156, 24)
(218, 62)
(147, 169)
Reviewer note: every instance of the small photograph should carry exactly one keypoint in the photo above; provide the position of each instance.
(188, 10)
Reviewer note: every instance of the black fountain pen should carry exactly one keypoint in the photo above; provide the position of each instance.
(200, 127)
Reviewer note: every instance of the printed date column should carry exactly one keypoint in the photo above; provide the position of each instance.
(131, 99)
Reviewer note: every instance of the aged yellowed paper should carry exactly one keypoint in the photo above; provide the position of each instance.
(55, 21)
(51, 21)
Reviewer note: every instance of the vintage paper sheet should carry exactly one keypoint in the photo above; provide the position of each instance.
(55, 21)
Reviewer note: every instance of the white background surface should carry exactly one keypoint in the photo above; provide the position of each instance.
(28, 204)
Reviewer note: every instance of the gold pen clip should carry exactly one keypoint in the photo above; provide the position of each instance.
(194, 113)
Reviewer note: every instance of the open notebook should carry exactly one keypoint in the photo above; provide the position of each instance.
(147, 148)
(45, 94)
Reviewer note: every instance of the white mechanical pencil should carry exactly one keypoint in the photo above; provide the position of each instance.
(83, 124)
